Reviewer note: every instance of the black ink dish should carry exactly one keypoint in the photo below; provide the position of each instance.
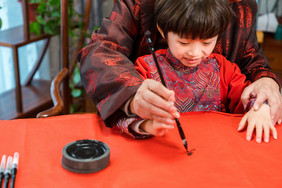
(85, 156)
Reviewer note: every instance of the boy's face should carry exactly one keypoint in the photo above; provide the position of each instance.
(190, 52)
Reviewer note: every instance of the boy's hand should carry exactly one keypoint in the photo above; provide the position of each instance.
(154, 101)
(265, 89)
(259, 120)
(155, 128)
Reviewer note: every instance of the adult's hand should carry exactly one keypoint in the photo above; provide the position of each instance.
(154, 101)
(265, 89)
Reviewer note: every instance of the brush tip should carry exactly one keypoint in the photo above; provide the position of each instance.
(189, 153)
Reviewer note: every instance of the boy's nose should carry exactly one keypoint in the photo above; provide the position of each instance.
(194, 51)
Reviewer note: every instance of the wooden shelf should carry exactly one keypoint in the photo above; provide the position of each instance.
(272, 50)
(270, 42)
(16, 37)
(33, 96)
(36, 98)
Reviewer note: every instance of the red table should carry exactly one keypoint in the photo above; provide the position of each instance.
(222, 156)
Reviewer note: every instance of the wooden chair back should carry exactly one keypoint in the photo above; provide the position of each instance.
(61, 104)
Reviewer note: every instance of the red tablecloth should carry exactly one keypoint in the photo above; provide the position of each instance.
(222, 156)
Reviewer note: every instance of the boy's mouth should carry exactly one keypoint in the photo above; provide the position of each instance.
(191, 62)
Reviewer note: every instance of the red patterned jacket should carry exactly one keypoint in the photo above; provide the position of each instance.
(214, 85)
(109, 75)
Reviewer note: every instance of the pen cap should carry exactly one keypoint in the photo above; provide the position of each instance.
(3, 162)
(15, 160)
(9, 165)
(85, 156)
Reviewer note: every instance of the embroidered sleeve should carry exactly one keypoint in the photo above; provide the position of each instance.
(124, 124)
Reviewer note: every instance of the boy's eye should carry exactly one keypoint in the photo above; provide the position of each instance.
(184, 43)
(206, 43)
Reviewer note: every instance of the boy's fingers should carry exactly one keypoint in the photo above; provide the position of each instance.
(162, 126)
(242, 123)
(168, 121)
(160, 132)
(258, 133)
(250, 131)
(274, 132)
(266, 134)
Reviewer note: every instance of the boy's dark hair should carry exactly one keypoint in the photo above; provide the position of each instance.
(194, 18)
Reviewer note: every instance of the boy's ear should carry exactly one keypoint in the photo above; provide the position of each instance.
(161, 31)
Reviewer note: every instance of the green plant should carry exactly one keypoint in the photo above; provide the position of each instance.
(49, 15)
(0, 21)
(77, 92)
(48, 21)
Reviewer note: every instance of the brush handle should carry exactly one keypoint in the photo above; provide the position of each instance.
(152, 50)
(7, 179)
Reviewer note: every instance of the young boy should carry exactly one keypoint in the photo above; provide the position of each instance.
(201, 81)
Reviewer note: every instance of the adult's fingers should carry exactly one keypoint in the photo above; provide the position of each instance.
(153, 98)
(153, 101)
(246, 95)
(159, 89)
(275, 104)
(149, 109)
(260, 98)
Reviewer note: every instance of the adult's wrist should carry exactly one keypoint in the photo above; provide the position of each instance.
(275, 82)
(268, 74)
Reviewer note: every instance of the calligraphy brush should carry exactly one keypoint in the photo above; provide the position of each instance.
(151, 48)
(14, 169)
(2, 169)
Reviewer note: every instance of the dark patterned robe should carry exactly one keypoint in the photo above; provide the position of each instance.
(214, 85)
(107, 71)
